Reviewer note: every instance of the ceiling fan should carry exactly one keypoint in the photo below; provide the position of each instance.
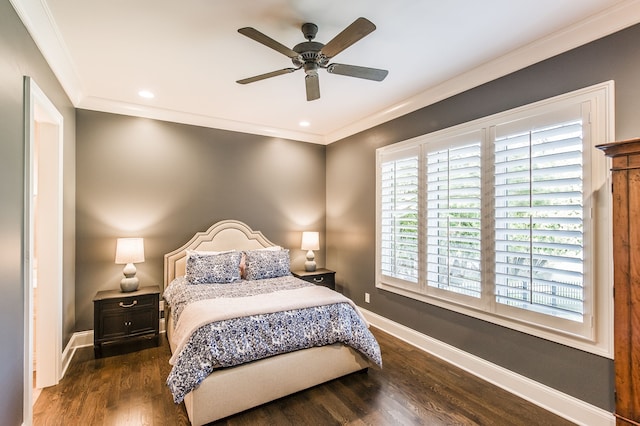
(311, 55)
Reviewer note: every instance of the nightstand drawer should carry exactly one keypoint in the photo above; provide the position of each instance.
(324, 277)
(327, 280)
(128, 303)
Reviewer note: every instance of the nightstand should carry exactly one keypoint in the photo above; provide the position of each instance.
(320, 276)
(119, 316)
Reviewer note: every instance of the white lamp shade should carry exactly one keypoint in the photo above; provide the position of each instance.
(310, 241)
(129, 250)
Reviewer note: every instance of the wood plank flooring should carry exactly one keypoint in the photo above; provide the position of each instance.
(413, 388)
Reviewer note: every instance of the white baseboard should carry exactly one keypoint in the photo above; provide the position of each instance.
(550, 399)
(78, 340)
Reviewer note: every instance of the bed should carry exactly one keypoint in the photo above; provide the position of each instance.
(230, 383)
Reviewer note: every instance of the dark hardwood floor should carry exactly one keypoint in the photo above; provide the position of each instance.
(413, 388)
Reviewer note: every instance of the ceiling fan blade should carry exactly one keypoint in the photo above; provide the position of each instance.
(256, 35)
(359, 72)
(266, 75)
(313, 87)
(354, 32)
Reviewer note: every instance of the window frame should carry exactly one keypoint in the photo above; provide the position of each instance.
(594, 333)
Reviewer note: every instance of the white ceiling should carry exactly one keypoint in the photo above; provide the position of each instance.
(189, 54)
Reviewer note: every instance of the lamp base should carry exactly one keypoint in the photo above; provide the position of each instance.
(128, 285)
(130, 282)
(310, 264)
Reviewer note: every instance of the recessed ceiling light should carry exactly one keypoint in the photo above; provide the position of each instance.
(304, 124)
(146, 94)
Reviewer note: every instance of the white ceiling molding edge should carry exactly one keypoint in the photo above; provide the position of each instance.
(37, 19)
(107, 105)
(623, 15)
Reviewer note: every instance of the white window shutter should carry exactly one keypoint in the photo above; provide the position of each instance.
(539, 220)
(454, 204)
(398, 210)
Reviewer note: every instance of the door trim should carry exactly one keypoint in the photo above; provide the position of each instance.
(39, 109)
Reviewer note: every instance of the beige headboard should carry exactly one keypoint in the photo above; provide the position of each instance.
(224, 235)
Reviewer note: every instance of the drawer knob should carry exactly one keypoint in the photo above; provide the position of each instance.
(134, 303)
(318, 280)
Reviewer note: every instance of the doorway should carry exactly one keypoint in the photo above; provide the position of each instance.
(43, 243)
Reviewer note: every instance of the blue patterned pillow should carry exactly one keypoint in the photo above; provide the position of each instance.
(203, 268)
(262, 264)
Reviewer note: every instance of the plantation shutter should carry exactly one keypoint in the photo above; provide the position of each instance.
(399, 215)
(539, 259)
(454, 219)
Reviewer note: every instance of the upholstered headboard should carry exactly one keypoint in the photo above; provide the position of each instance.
(224, 235)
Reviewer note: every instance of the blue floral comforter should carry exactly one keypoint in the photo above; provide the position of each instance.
(235, 341)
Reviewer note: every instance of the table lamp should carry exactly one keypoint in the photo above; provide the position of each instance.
(128, 252)
(310, 242)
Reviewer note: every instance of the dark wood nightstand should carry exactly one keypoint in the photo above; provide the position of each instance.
(320, 276)
(119, 316)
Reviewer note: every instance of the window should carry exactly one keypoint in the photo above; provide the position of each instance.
(497, 219)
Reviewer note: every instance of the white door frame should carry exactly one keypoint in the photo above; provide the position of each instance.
(39, 111)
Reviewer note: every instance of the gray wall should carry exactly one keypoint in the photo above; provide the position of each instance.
(19, 56)
(351, 211)
(165, 182)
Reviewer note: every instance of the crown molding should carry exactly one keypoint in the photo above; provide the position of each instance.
(117, 107)
(37, 18)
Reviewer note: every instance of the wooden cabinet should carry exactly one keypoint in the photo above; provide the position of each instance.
(320, 276)
(625, 175)
(120, 316)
